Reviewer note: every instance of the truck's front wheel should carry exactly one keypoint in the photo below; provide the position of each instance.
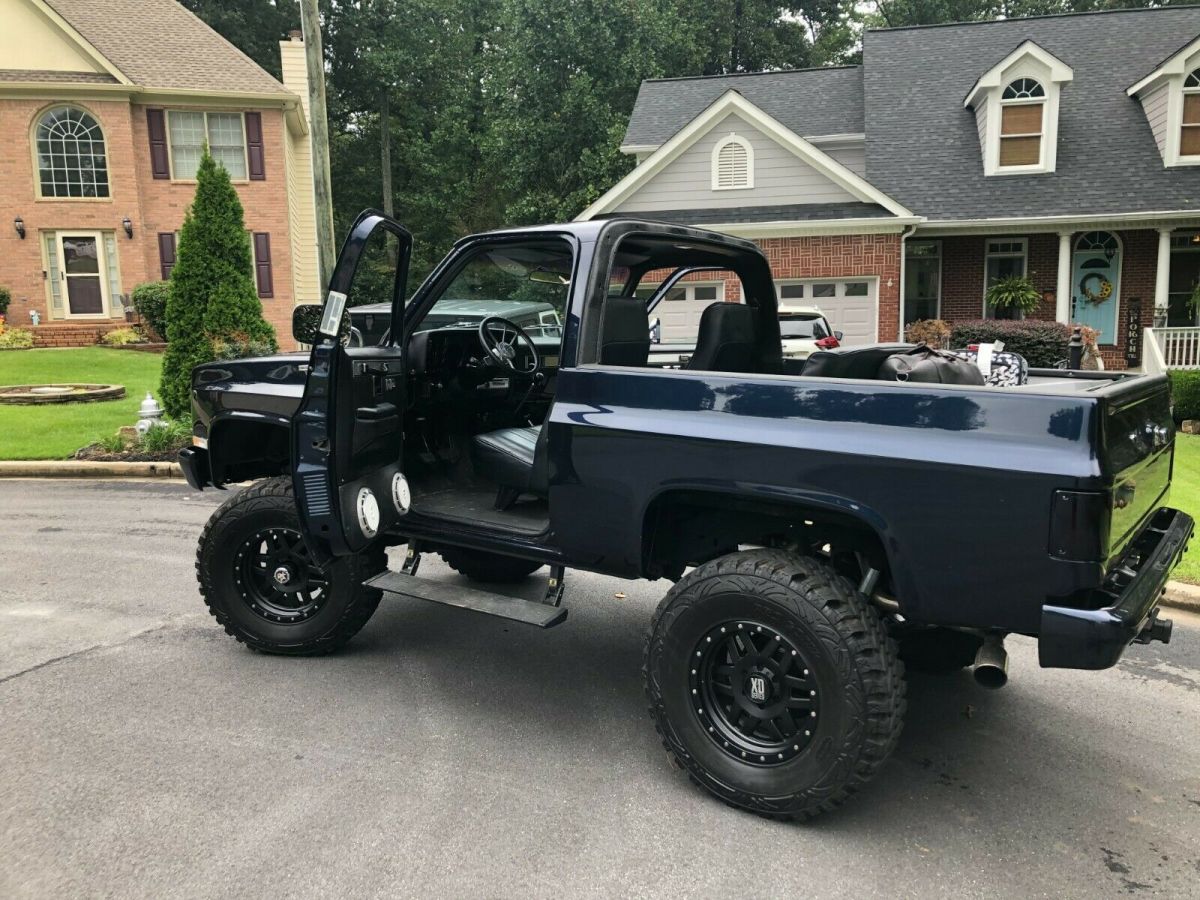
(259, 583)
(773, 682)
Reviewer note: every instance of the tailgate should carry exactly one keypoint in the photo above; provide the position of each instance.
(1137, 446)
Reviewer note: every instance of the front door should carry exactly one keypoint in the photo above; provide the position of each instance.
(347, 435)
(1096, 283)
(82, 272)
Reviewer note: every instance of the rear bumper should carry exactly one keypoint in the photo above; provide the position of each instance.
(194, 462)
(1096, 638)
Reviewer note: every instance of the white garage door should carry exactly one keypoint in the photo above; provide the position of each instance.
(680, 311)
(851, 305)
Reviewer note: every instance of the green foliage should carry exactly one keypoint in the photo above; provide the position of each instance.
(1185, 394)
(174, 434)
(931, 332)
(122, 337)
(16, 339)
(150, 301)
(212, 295)
(253, 26)
(112, 443)
(1016, 293)
(240, 347)
(1043, 344)
(5, 299)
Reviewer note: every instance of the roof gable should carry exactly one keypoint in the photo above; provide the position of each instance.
(1028, 51)
(35, 38)
(159, 45)
(845, 184)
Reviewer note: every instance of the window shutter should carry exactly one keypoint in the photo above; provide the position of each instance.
(166, 252)
(159, 164)
(254, 147)
(262, 264)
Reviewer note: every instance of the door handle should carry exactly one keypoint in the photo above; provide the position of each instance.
(375, 413)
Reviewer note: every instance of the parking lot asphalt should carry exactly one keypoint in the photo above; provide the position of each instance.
(447, 754)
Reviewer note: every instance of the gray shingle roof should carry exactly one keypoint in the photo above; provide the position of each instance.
(798, 212)
(808, 101)
(49, 76)
(922, 146)
(159, 44)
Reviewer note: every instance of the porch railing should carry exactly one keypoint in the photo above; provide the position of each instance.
(1178, 348)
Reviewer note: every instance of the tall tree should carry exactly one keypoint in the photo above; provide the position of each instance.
(253, 26)
(212, 293)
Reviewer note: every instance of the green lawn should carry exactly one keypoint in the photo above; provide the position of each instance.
(57, 431)
(1185, 495)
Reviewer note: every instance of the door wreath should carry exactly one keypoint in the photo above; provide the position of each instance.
(1096, 288)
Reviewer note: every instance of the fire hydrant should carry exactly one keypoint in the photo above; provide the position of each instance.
(149, 414)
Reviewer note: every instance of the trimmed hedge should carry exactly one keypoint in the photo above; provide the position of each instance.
(150, 301)
(1185, 394)
(1042, 343)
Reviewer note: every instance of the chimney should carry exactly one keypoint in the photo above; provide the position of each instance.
(296, 36)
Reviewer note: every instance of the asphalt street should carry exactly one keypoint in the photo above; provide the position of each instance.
(447, 754)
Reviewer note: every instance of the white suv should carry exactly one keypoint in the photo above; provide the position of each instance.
(805, 330)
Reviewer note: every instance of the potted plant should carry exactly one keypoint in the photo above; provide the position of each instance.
(1014, 294)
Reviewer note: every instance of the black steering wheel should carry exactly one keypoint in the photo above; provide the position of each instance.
(499, 338)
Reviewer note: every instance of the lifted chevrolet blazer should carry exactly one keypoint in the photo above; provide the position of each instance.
(820, 526)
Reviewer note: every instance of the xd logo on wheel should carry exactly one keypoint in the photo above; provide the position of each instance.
(758, 688)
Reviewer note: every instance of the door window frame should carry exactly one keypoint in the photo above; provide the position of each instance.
(103, 273)
(908, 245)
(1116, 300)
(989, 255)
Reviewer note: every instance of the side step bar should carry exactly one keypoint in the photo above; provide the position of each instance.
(527, 611)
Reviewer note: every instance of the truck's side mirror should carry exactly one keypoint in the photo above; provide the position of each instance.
(655, 330)
(306, 323)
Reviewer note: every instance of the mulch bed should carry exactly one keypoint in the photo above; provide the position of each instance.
(96, 453)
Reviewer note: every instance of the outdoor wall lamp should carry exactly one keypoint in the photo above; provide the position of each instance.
(19, 224)
(128, 226)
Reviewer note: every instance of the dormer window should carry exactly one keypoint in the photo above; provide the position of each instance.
(1023, 106)
(732, 164)
(1170, 99)
(1189, 126)
(1016, 111)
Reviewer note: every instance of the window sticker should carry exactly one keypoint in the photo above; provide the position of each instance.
(331, 321)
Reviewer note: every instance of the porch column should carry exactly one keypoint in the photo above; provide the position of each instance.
(1162, 274)
(1062, 306)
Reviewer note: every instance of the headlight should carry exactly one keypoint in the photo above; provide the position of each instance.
(368, 512)
(401, 495)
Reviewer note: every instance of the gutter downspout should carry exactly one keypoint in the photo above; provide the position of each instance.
(905, 234)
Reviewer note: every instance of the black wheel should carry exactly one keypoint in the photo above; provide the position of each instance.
(480, 566)
(937, 651)
(773, 682)
(260, 584)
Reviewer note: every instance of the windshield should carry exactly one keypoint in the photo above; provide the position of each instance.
(526, 283)
(802, 328)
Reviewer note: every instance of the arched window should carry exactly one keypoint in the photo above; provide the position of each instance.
(70, 154)
(1022, 111)
(1189, 129)
(732, 164)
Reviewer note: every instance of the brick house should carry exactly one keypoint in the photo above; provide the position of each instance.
(1063, 148)
(104, 110)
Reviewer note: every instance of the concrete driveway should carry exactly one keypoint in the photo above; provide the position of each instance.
(446, 754)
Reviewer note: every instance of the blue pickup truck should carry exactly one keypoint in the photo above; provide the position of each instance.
(821, 527)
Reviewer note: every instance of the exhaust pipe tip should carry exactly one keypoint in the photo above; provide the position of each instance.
(991, 663)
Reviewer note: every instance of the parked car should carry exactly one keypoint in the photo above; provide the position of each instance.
(818, 527)
(805, 330)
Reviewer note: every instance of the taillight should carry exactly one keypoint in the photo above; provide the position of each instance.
(827, 343)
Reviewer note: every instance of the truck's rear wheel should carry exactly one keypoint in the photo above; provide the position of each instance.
(773, 682)
(259, 583)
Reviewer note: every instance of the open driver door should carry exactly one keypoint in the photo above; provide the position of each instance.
(348, 433)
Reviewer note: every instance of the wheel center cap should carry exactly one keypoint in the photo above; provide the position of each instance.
(758, 687)
(282, 575)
